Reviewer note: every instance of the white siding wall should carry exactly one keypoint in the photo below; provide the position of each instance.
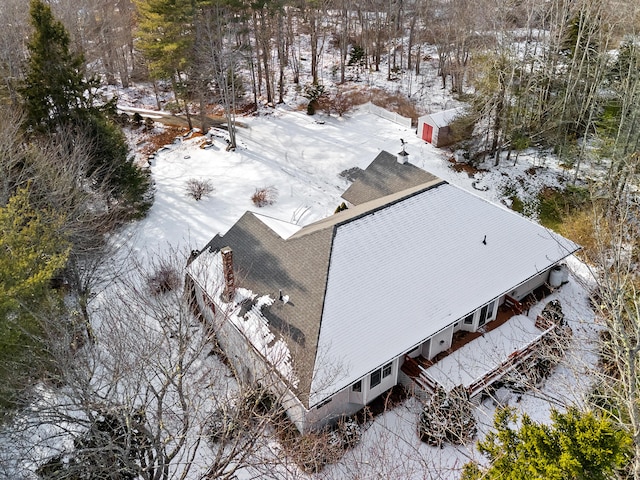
(331, 411)
(434, 135)
(370, 393)
(249, 364)
(445, 336)
(527, 287)
(427, 119)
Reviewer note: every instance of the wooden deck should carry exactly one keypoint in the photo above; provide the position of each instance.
(505, 312)
(416, 367)
(461, 337)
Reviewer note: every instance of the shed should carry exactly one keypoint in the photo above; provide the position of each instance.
(434, 127)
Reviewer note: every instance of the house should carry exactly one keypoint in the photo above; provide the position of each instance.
(332, 314)
(435, 127)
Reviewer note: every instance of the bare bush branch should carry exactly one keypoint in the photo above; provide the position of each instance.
(197, 188)
(265, 196)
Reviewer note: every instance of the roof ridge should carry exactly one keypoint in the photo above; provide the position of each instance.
(364, 209)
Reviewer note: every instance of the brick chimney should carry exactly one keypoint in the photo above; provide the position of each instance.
(227, 270)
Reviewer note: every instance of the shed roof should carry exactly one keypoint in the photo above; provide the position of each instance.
(443, 118)
(384, 176)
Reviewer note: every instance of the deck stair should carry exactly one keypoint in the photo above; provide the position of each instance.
(413, 368)
(513, 304)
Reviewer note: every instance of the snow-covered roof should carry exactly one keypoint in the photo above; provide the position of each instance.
(404, 272)
(443, 118)
(282, 228)
(206, 269)
(370, 283)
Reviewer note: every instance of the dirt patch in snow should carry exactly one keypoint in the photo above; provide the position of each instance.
(460, 167)
(157, 140)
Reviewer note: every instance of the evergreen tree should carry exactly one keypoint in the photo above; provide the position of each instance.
(166, 37)
(55, 89)
(32, 250)
(577, 445)
(166, 34)
(59, 100)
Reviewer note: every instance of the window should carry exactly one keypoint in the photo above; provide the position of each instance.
(492, 307)
(483, 315)
(386, 370)
(376, 378)
(357, 387)
(468, 320)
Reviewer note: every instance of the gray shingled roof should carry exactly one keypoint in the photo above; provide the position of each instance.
(384, 176)
(265, 263)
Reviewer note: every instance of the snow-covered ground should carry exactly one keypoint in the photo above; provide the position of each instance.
(302, 157)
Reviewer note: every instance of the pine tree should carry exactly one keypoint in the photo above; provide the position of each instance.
(59, 99)
(55, 89)
(32, 250)
(166, 34)
(166, 37)
(577, 445)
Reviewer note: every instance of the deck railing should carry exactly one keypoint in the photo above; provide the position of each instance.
(510, 363)
(419, 375)
(513, 304)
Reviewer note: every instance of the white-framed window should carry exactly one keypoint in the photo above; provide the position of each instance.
(386, 370)
(376, 378)
(486, 313)
(357, 387)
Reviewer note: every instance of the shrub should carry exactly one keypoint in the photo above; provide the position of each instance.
(148, 123)
(165, 279)
(311, 109)
(315, 450)
(357, 56)
(349, 433)
(265, 196)
(137, 119)
(197, 188)
(313, 93)
(342, 102)
(447, 417)
(224, 424)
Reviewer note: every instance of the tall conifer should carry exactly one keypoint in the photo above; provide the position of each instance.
(55, 89)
